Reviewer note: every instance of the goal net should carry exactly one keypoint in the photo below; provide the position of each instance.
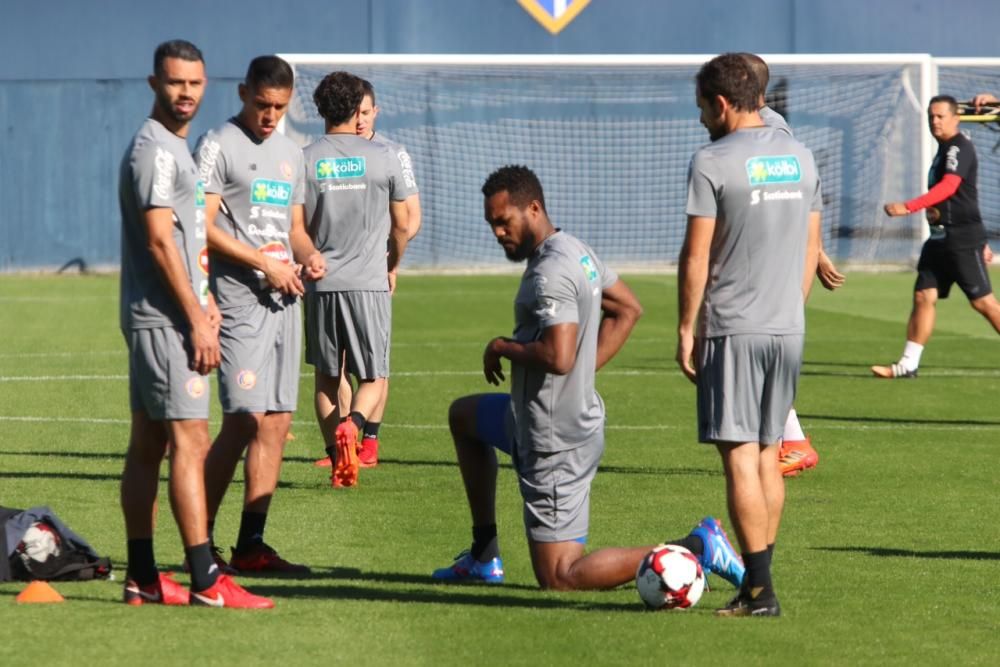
(611, 137)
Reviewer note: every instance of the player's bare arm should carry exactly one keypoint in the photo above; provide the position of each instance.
(413, 208)
(204, 337)
(213, 313)
(982, 99)
(554, 352)
(620, 310)
(813, 244)
(280, 276)
(692, 279)
(303, 250)
(398, 233)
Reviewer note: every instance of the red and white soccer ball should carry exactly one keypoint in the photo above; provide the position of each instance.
(670, 577)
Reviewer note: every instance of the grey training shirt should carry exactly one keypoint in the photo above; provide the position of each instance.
(157, 171)
(759, 184)
(259, 182)
(562, 283)
(349, 183)
(405, 163)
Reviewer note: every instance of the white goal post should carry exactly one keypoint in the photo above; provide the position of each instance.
(610, 137)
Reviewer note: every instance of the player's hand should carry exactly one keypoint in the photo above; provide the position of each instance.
(987, 254)
(685, 352)
(829, 276)
(282, 277)
(982, 99)
(206, 355)
(895, 209)
(315, 267)
(392, 282)
(214, 314)
(491, 362)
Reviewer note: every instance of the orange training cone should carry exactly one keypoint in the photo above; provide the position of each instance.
(39, 591)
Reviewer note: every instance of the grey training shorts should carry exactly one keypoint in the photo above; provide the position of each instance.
(358, 323)
(555, 486)
(746, 386)
(261, 350)
(160, 383)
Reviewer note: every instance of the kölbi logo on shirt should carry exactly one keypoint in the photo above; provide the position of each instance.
(340, 167)
(768, 169)
(265, 191)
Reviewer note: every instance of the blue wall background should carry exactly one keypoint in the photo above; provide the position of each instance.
(73, 90)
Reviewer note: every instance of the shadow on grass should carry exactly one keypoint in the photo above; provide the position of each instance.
(614, 469)
(897, 420)
(887, 552)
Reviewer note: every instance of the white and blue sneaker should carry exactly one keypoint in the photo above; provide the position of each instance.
(468, 569)
(718, 555)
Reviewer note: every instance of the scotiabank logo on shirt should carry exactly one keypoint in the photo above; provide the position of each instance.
(767, 169)
(266, 191)
(340, 167)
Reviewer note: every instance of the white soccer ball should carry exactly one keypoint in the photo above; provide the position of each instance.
(670, 577)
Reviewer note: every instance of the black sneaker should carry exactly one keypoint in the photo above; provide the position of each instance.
(743, 606)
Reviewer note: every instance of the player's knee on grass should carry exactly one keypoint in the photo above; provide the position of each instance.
(555, 564)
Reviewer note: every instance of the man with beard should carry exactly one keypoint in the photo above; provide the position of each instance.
(572, 315)
(171, 326)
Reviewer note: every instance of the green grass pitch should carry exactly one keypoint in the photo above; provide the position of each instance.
(888, 554)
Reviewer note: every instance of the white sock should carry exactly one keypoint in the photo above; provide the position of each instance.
(911, 355)
(793, 430)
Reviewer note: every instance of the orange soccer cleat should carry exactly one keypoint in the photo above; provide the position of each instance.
(225, 592)
(345, 473)
(796, 456)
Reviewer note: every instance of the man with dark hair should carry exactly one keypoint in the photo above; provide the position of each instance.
(957, 251)
(368, 450)
(797, 453)
(355, 203)
(256, 177)
(748, 260)
(170, 322)
(572, 315)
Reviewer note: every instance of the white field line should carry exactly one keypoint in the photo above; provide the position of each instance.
(813, 425)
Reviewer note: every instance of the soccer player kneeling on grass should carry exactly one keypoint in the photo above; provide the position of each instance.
(255, 187)
(171, 325)
(572, 315)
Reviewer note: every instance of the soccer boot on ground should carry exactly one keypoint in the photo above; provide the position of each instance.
(345, 472)
(796, 456)
(467, 569)
(893, 371)
(743, 605)
(368, 452)
(324, 462)
(225, 592)
(718, 555)
(263, 559)
(217, 558)
(163, 591)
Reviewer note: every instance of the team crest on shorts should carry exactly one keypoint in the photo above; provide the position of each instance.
(247, 379)
(553, 14)
(195, 387)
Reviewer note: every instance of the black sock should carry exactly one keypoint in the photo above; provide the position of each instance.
(770, 553)
(692, 543)
(211, 531)
(758, 578)
(332, 453)
(484, 543)
(358, 419)
(141, 562)
(251, 529)
(204, 571)
(371, 429)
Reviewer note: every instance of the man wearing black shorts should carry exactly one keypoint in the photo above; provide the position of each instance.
(956, 251)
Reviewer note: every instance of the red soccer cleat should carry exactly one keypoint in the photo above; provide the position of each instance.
(796, 456)
(263, 559)
(225, 592)
(164, 591)
(345, 473)
(324, 462)
(368, 452)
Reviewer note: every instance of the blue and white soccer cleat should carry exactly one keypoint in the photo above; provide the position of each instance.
(468, 569)
(718, 555)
